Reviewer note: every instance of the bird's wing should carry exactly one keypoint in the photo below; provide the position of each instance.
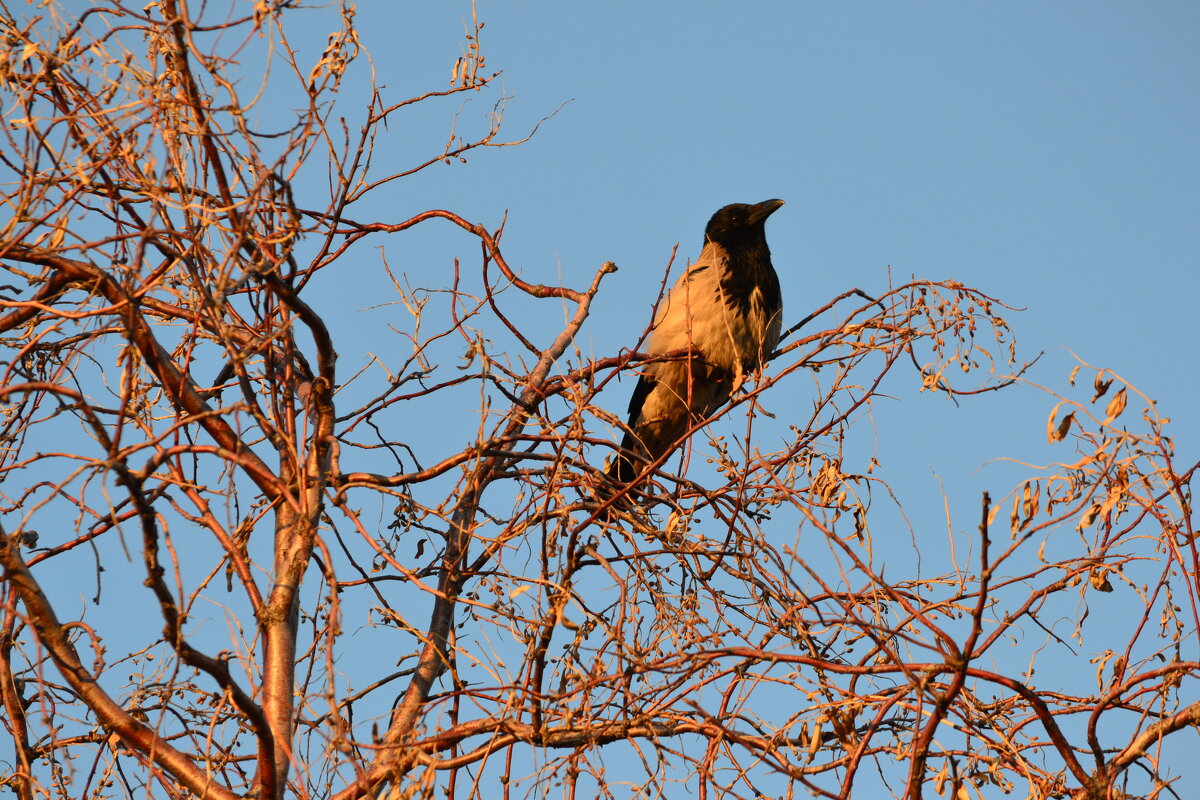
(621, 467)
(671, 328)
(645, 386)
(675, 321)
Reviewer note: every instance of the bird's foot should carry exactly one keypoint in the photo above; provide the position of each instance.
(739, 377)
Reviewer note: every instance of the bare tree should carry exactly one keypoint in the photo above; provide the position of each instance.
(232, 570)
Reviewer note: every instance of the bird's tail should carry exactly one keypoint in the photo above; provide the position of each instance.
(622, 469)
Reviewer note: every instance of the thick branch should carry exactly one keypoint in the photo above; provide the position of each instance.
(137, 736)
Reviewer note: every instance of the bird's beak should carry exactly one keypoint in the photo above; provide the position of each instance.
(760, 211)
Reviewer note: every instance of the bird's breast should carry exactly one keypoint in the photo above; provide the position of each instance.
(703, 312)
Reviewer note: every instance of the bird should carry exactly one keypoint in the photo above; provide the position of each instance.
(727, 309)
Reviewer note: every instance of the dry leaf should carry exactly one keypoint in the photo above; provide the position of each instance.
(1031, 503)
(1100, 581)
(1056, 433)
(1115, 407)
(814, 744)
(1088, 517)
(939, 781)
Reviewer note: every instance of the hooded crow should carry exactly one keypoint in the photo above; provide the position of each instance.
(727, 309)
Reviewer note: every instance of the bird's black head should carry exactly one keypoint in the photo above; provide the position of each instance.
(740, 225)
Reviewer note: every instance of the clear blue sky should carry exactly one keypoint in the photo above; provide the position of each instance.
(1044, 153)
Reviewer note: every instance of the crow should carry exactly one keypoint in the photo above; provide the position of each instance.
(727, 309)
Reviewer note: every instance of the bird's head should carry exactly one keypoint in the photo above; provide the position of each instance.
(740, 224)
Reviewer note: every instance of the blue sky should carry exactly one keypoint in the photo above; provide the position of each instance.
(1043, 153)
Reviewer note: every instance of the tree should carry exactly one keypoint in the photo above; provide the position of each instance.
(291, 588)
